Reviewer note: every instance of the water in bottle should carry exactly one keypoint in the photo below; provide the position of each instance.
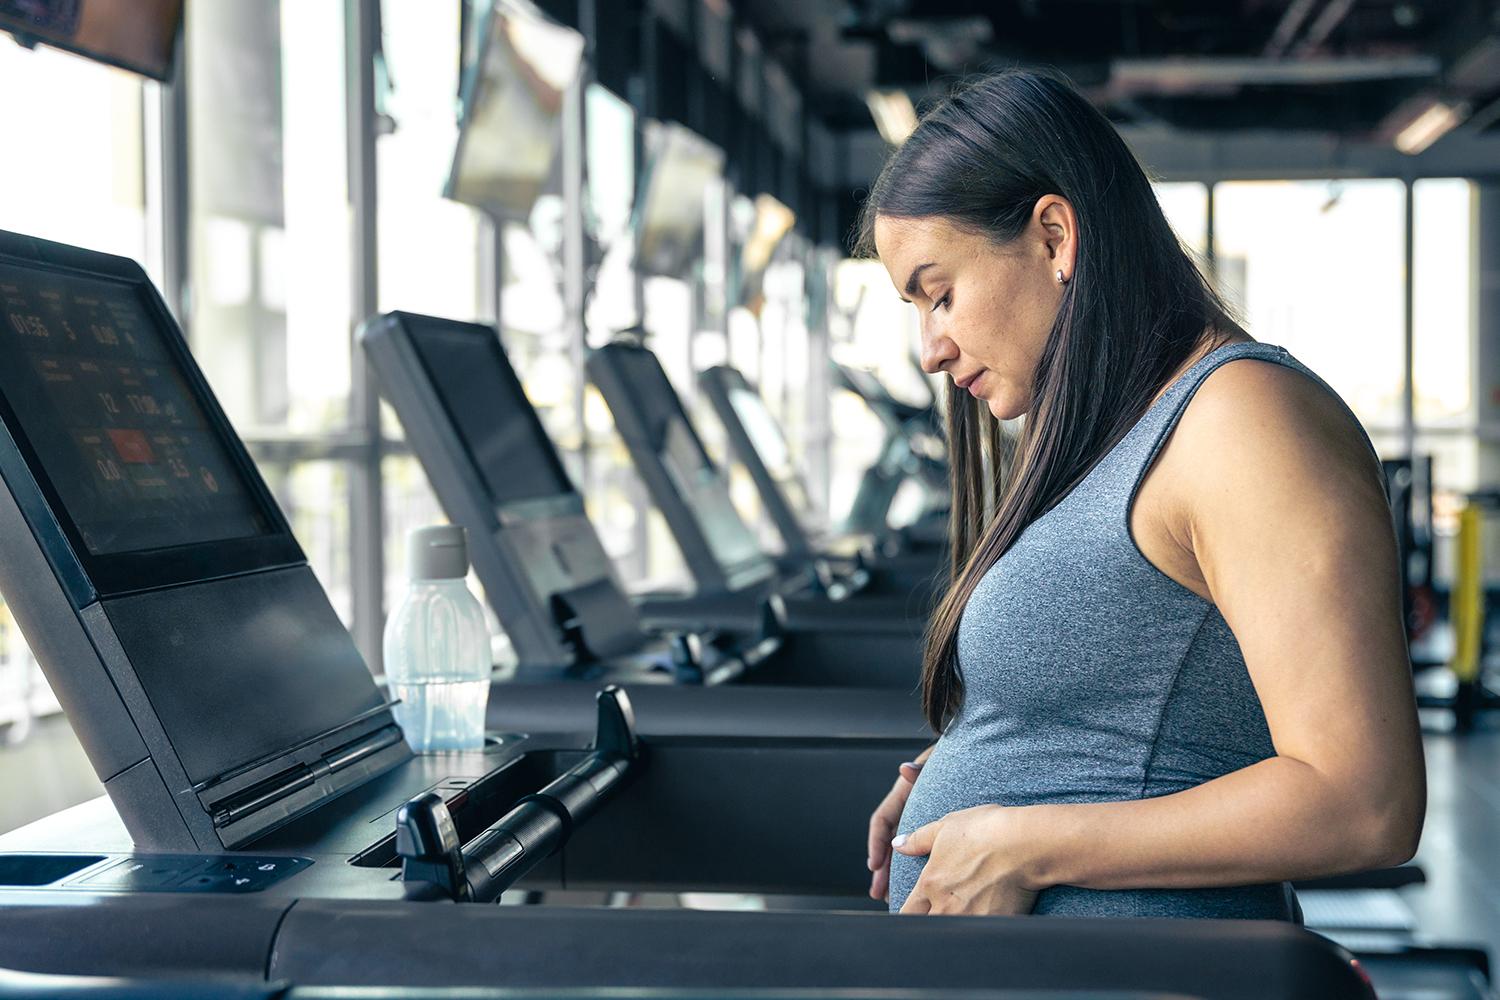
(437, 648)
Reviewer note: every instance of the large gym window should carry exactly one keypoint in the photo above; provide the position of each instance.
(1317, 267)
(74, 168)
(269, 229)
(1446, 352)
(1443, 302)
(434, 256)
(269, 237)
(429, 246)
(1185, 204)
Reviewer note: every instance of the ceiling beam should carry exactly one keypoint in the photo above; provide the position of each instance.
(1287, 28)
(1333, 15)
(1190, 75)
(1172, 155)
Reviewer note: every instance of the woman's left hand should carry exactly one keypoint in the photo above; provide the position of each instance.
(977, 863)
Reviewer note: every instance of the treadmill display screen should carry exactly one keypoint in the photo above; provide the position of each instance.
(765, 437)
(119, 432)
(489, 409)
(660, 409)
(760, 428)
(684, 460)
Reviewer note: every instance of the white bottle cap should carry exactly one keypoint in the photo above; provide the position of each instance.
(437, 552)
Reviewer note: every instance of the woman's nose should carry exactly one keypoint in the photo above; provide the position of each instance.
(936, 349)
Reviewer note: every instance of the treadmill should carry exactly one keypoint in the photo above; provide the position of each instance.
(911, 452)
(828, 619)
(757, 442)
(266, 823)
(493, 468)
(543, 567)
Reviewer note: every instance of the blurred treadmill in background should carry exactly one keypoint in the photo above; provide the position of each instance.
(545, 571)
(913, 451)
(829, 616)
(758, 443)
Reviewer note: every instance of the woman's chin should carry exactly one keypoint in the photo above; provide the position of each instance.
(1006, 407)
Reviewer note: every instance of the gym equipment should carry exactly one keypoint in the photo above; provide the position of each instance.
(757, 442)
(265, 818)
(1467, 610)
(912, 451)
(543, 567)
(831, 618)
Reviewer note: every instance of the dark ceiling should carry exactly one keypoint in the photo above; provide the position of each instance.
(1351, 67)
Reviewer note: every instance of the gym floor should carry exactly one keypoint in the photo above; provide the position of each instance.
(1459, 904)
(1461, 900)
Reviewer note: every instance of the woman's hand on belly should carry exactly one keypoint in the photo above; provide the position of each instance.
(883, 824)
(977, 863)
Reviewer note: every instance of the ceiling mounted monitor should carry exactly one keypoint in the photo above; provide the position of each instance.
(772, 221)
(680, 166)
(138, 35)
(510, 118)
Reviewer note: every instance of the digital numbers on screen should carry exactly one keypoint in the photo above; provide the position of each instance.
(124, 439)
(29, 325)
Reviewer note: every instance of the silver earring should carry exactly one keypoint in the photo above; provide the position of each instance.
(1060, 279)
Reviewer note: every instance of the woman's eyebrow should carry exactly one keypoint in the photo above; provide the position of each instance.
(916, 274)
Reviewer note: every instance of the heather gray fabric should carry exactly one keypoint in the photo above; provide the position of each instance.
(1093, 677)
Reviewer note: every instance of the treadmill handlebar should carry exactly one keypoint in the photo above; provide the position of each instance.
(615, 731)
(435, 866)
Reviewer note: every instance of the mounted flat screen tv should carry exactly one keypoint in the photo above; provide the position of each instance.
(511, 109)
(138, 35)
(680, 165)
(772, 221)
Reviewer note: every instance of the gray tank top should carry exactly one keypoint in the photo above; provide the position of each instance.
(1091, 676)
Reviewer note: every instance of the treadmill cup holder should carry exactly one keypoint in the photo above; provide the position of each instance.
(434, 865)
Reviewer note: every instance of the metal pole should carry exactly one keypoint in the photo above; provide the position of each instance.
(646, 101)
(819, 419)
(1210, 254)
(1408, 347)
(646, 108)
(696, 312)
(174, 191)
(716, 262)
(492, 269)
(366, 505)
(572, 248)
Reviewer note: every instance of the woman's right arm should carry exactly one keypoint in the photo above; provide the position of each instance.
(883, 824)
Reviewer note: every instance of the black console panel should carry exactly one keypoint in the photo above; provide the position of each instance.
(209, 680)
(194, 873)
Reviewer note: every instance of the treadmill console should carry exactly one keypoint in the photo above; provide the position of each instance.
(496, 472)
(213, 687)
(720, 549)
(123, 441)
(758, 442)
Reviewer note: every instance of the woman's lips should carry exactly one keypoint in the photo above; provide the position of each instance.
(974, 383)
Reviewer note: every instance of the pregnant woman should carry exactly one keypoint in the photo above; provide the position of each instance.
(1169, 674)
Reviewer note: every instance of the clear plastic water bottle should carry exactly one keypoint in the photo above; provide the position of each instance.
(437, 649)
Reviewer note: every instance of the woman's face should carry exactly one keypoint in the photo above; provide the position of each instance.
(986, 310)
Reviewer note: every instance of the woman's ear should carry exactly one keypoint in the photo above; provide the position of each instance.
(1057, 225)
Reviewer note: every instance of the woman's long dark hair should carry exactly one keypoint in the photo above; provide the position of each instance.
(1134, 310)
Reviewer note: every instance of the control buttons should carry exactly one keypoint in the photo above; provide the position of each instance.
(191, 873)
(140, 874)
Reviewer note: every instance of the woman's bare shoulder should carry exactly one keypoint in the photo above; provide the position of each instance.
(1269, 428)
